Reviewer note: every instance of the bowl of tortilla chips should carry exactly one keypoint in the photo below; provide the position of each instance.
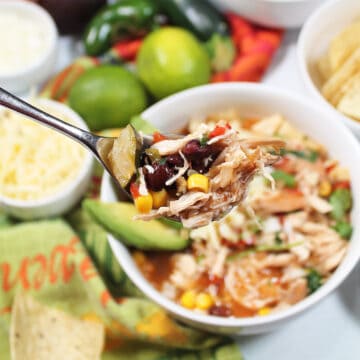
(329, 59)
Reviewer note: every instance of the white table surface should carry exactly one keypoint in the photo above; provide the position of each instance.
(331, 330)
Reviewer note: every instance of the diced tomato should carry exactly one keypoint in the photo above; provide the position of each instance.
(342, 185)
(330, 168)
(215, 280)
(281, 218)
(158, 137)
(284, 164)
(219, 130)
(134, 190)
(238, 245)
(295, 192)
(228, 125)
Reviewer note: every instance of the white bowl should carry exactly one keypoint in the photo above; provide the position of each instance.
(314, 39)
(274, 13)
(41, 68)
(253, 100)
(66, 197)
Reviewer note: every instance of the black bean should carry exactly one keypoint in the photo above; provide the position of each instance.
(220, 310)
(193, 149)
(156, 180)
(175, 160)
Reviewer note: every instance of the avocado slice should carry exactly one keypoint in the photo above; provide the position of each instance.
(140, 124)
(117, 218)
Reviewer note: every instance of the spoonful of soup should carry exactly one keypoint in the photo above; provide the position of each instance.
(194, 179)
(200, 177)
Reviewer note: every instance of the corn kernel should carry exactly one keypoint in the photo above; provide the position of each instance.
(198, 182)
(264, 311)
(204, 301)
(139, 257)
(159, 198)
(143, 203)
(188, 299)
(325, 188)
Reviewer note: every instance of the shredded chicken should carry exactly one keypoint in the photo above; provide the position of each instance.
(282, 242)
(184, 271)
(280, 201)
(229, 176)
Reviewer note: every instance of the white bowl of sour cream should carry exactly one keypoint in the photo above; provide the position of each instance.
(28, 43)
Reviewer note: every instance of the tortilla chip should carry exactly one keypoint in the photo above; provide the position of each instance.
(343, 45)
(324, 67)
(346, 71)
(349, 84)
(42, 333)
(350, 102)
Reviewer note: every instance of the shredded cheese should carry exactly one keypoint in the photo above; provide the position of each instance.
(35, 161)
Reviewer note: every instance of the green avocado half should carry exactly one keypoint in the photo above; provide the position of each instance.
(117, 218)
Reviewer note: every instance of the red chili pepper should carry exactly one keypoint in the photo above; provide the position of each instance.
(255, 48)
(134, 190)
(158, 137)
(342, 185)
(219, 130)
(127, 49)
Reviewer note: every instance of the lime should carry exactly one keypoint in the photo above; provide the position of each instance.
(171, 59)
(107, 96)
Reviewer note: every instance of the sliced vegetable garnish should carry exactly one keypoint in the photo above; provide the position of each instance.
(341, 202)
(344, 229)
(314, 280)
(284, 177)
(122, 157)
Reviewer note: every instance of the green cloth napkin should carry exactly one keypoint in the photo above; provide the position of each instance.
(68, 264)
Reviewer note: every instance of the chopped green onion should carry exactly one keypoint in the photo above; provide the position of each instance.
(310, 155)
(344, 229)
(341, 202)
(278, 239)
(171, 223)
(204, 140)
(262, 248)
(153, 154)
(314, 280)
(162, 161)
(284, 177)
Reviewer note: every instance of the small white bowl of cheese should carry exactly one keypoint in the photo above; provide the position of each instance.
(42, 173)
(28, 44)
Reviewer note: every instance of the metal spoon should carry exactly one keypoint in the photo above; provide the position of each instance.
(98, 145)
